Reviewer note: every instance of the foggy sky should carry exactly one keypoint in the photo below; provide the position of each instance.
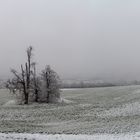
(78, 38)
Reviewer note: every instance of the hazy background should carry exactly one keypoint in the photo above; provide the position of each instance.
(78, 38)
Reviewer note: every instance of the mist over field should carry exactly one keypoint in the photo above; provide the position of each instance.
(80, 39)
(70, 69)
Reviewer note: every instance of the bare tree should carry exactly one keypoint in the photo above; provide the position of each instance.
(51, 83)
(21, 81)
(26, 83)
(28, 73)
(36, 83)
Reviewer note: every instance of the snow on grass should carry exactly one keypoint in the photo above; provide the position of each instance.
(135, 136)
(129, 109)
(112, 110)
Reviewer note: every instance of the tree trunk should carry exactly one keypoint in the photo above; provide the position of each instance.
(26, 99)
(47, 86)
(36, 95)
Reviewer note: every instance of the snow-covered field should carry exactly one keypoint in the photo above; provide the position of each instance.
(135, 136)
(100, 113)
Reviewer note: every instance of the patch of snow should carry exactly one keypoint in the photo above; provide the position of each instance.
(136, 92)
(117, 98)
(10, 103)
(85, 105)
(63, 100)
(20, 136)
(67, 89)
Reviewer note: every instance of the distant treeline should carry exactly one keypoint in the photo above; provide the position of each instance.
(82, 84)
(92, 84)
(86, 85)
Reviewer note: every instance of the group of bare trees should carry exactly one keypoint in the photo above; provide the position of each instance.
(28, 86)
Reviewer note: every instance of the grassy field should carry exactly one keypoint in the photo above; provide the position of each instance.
(97, 110)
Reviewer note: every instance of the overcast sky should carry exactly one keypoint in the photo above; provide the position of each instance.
(78, 38)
